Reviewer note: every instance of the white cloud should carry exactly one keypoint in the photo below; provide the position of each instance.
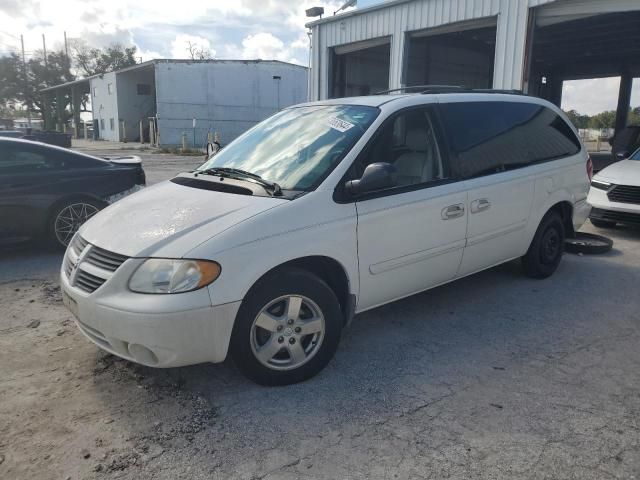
(590, 97)
(265, 46)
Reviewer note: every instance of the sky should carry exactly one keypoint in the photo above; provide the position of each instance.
(238, 29)
(590, 97)
(229, 29)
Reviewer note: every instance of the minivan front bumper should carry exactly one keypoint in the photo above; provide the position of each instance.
(154, 330)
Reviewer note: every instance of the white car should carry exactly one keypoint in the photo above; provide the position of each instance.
(324, 210)
(615, 194)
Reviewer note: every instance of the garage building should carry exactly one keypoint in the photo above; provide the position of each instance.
(224, 96)
(528, 45)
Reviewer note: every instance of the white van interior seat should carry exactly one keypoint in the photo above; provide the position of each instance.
(418, 165)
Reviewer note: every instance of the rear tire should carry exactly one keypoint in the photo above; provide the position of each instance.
(602, 223)
(287, 329)
(545, 253)
(67, 218)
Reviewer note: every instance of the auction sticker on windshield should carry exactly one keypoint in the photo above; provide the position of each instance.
(340, 125)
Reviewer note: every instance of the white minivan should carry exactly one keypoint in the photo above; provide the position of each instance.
(324, 210)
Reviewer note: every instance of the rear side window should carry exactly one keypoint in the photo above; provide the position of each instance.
(492, 137)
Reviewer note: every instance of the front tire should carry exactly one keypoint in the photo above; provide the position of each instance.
(67, 218)
(287, 329)
(544, 254)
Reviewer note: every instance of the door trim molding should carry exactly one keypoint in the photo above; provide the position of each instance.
(497, 233)
(417, 257)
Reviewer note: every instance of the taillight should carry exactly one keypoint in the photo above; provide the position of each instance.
(590, 168)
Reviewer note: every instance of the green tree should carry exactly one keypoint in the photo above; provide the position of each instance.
(579, 120)
(20, 86)
(91, 61)
(634, 116)
(603, 120)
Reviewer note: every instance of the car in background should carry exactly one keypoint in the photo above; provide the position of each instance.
(51, 137)
(615, 194)
(49, 192)
(625, 142)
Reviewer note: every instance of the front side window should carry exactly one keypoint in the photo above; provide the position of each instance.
(636, 155)
(408, 141)
(492, 137)
(297, 148)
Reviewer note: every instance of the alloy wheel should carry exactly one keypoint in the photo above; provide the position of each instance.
(70, 219)
(287, 332)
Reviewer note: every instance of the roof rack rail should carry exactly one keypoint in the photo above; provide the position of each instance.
(435, 89)
(421, 89)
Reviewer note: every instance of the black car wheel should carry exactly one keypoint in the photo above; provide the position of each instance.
(546, 249)
(68, 218)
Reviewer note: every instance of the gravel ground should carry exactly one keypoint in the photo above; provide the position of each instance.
(494, 376)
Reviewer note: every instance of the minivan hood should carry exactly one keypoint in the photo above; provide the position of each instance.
(168, 220)
(625, 172)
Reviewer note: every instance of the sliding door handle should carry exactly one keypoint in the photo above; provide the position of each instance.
(453, 211)
(480, 205)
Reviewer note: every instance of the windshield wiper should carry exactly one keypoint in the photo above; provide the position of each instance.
(272, 187)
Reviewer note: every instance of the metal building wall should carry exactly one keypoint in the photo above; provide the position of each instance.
(105, 105)
(395, 19)
(224, 96)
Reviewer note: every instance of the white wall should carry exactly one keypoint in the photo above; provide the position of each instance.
(224, 96)
(105, 105)
(133, 107)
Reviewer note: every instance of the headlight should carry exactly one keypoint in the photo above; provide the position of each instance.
(600, 185)
(160, 276)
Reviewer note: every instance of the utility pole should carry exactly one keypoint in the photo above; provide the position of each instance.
(26, 81)
(66, 45)
(44, 49)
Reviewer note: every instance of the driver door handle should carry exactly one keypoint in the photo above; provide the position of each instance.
(453, 211)
(480, 205)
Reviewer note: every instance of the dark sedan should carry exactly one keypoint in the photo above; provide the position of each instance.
(48, 192)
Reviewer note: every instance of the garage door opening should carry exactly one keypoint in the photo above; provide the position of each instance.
(595, 46)
(361, 69)
(464, 57)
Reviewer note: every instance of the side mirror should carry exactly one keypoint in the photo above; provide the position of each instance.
(377, 176)
(622, 155)
(212, 149)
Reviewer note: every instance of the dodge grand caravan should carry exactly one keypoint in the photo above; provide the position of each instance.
(324, 210)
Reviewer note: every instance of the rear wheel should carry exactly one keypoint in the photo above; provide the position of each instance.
(544, 254)
(68, 218)
(602, 223)
(288, 328)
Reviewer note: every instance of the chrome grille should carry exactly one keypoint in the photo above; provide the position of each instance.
(87, 282)
(68, 266)
(88, 267)
(79, 244)
(104, 259)
(624, 194)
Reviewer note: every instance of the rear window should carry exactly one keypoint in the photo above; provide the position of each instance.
(490, 137)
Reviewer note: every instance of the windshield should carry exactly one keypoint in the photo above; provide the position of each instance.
(298, 147)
